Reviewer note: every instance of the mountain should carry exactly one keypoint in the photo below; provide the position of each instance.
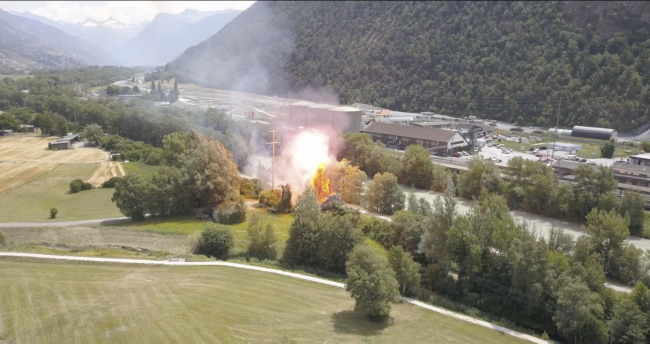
(514, 61)
(77, 48)
(107, 34)
(19, 51)
(168, 35)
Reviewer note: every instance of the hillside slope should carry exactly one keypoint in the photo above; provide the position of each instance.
(499, 60)
(75, 47)
(19, 51)
(168, 35)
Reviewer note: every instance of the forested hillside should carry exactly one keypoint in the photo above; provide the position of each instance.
(511, 61)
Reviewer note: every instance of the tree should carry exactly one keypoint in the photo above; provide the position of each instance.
(579, 312)
(304, 234)
(417, 167)
(130, 196)
(645, 146)
(94, 133)
(8, 121)
(628, 323)
(133, 79)
(371, 282)
(136, 89)
(480, 174)
(406, 270)
(216, 241)
(176, 91)
(159, 87)
(434, 238)
(263, 239)
(337, 238)
(608, 231)
(633, 204)
(79, 185)
(167, 193)
(285, 199)
(412, 204)
(269, 198)
(53, 213)
(210, 170)
(232, 214)
(352, 188)
(384, 195)
(152, 88)
(607, 149)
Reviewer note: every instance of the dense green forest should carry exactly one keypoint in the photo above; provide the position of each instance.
(512, 61)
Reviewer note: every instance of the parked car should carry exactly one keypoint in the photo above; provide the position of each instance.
(495, 160)
(542, 148)
(456, 155)
(536, 151)
(505, 151)
(583, 160)
(464, 153)
(545, 160)
(592, 163)
(540, 155)
(532, 149)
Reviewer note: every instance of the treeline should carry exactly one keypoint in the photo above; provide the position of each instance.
(529, 185)
(197, 171)
(511, 61)
(90, 76)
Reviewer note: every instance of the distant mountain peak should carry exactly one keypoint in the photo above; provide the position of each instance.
(89, 22)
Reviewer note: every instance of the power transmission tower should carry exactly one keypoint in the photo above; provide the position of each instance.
(273, 143)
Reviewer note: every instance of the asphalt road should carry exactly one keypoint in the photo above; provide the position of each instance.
(279, 272)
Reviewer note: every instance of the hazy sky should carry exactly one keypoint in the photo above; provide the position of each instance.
(130, 12)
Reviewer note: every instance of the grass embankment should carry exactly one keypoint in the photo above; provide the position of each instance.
(138, 168)
(589, 146)
(31, 201)
(57, 302)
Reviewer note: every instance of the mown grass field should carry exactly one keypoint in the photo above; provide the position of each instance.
(31, 201)
(188, 225)
(138, 168)
(58, 302)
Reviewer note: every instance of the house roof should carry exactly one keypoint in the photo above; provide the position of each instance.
(641, 156)
(622, 166)
(381, 112)
(421, 133)
(431, 123)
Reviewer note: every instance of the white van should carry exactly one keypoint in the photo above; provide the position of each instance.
(570, 157)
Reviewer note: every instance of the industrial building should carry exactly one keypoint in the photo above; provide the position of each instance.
(562, 146)
(28, 127)
(399, 136)
(593, 133)
(640, 159)
(434, 124)
(480, 129)
(335, 117)
(382, 115)
(5, 132)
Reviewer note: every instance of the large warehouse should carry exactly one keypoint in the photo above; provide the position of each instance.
(327, 116)
(401, 136)
(593, 133)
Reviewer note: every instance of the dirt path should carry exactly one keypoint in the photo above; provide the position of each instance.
(106, 170)
(284, 273)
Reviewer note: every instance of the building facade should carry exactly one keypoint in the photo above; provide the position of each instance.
(437, 141)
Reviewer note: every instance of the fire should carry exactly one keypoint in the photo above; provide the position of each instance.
(304, 156)
(321, 183)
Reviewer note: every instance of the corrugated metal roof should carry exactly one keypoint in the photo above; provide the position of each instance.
(431, 123)
(626, 166)
(593, 129)
(345, 109)
(641, 156)
(421, 133)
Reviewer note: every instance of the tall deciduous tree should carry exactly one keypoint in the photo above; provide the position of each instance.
(352, 188)
(371, 282)
(384, 195)
(130, 196)
(579, 313)
(406, 270)
(480, 174)
(633, 204)
(304, 234)
(608, 231)
(93, 133)
(209, 170)
(417, 167)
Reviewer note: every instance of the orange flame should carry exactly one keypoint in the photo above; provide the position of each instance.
(321, 183)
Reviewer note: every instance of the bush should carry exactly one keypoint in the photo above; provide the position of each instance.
(232, 214)
(53, 213)
(270, 198)
(517, 129)
(111, 182)
(216, 241)
(250, 188)
(3, 241)
(79, 185)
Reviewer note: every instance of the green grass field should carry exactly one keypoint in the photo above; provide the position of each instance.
(91, 303)
(188, 225)
(31, 202)
(138, 168)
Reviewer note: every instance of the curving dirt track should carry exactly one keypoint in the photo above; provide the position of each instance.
(107, 169)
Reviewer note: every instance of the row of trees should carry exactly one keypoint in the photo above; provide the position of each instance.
(197, 171)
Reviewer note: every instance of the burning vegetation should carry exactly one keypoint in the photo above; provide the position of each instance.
(321, 183)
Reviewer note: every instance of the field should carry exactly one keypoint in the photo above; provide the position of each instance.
(25, 156)
(31, 201)
(138, 168)
(82, 303)
(106, 170)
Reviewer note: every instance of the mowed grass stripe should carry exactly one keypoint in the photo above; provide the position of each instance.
(58, 302)
(31, 201)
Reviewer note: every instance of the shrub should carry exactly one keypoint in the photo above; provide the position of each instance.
(79, 185)
(250, 188)
(517, 129)
(216, 241)
(232, 214)
(53, 213)
(110, 183)
(270, 198)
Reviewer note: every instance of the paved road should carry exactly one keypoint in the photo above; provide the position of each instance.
(279, 272)
(59, 224)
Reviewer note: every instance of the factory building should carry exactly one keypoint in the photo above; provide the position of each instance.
(438, 141)
(434, 124)
(327, 116)
(593, 133)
